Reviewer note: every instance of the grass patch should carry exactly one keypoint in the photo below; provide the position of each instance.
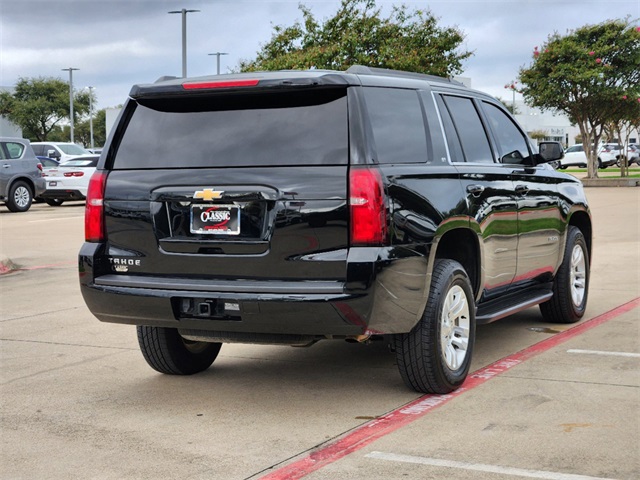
(606, 173)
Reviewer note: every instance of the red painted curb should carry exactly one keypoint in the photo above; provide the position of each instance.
(396, 419)
(6, 266)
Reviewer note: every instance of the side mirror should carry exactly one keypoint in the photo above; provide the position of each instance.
(550, 151)
(53, 154)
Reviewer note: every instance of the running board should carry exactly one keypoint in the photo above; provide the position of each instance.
(510, 304)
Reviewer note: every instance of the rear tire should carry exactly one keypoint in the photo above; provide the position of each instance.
(571, 285)
(167, 352)
(54, 202)
(20, 197)
(436, 355)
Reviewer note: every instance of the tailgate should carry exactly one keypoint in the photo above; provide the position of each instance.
(277, 223)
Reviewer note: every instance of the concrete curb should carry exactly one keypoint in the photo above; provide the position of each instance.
(6, 265)
(611, 182)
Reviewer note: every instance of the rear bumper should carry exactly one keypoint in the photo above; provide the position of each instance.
(63, 194)
(385, 292)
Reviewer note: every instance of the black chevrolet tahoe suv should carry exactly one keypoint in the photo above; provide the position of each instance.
(294, 206)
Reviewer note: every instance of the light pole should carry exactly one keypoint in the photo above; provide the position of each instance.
(91, 115)
(70, 70)
(512, 86)
(184, 12)
(217, 54)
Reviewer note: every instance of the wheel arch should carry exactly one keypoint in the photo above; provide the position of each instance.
(26, 180)
(582, 221)
(463, 246)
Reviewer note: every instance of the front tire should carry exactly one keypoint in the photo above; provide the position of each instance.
(20, 197)
(436, 355)
(167, 352)
(571, 285)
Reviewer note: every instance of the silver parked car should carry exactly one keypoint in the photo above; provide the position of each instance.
(20, 174)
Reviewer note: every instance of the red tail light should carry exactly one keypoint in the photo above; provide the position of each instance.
(367, 207)
(74, 174)
(94, 210)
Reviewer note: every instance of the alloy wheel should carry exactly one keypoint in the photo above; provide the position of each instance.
(578, 275)
(22, 196)
(454, 327)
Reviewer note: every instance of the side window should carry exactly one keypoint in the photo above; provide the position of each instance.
(14, 149)
(2, 156)
(473, 137)
(38, 149)
(453, 141)
(398, 125)
(511, 142)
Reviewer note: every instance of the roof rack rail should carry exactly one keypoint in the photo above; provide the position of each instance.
(364, 70)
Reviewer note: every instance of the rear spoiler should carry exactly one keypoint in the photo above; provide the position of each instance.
(238, 83)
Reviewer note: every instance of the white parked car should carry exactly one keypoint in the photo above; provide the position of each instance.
(61, 151)
(70, 180)
(575, 156)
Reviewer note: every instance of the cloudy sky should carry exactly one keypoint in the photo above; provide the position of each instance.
(117, 43)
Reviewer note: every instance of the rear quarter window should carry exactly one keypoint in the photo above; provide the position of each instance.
(14, 149)
(398, 125)
(287, 128)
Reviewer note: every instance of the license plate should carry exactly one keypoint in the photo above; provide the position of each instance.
(215, 219)
(53, 184)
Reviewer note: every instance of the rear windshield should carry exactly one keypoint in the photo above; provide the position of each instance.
(285, 128)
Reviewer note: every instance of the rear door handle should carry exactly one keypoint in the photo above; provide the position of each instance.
(522, 189)
(475, 190)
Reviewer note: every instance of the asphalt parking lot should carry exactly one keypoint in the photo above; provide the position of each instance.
(546, 401)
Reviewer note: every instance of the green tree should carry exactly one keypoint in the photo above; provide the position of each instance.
(622, 127)
(538, 135)
(586, 74)
(37, 105)
(82, 131)
(509, 106)
(358, 34)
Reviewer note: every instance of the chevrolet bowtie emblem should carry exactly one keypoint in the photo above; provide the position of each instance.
(208, 194)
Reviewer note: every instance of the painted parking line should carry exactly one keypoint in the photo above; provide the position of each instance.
(369, 432)
(56, 219)
(480, 467)
(51, 265)
(600, 352)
